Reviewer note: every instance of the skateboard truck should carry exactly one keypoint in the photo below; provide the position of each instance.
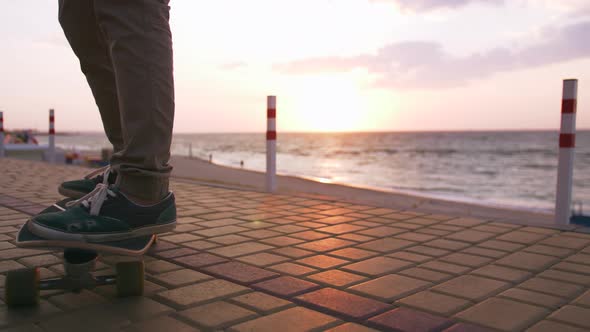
(78, 265)
(22, 287)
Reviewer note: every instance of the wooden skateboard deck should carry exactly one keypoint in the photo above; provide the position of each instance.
(130, 247)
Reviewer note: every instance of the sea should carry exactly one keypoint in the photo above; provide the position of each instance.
(514, 169)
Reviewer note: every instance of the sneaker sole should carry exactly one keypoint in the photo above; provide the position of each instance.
(52, 234)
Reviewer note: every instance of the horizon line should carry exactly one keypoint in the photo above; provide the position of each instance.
(36, 132)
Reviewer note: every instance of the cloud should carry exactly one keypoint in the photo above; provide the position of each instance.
(420, 64)
(426, 5)
(233, 65)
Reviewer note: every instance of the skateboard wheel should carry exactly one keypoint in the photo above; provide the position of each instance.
(130, 278)
(21, 287)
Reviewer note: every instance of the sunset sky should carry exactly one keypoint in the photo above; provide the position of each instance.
(334, 65)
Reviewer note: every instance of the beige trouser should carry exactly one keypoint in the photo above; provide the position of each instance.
(125, 51)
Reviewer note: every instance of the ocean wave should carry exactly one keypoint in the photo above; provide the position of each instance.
(540, 166)
(512, 152)
(429, 189)
(432, 151)
(486, 172)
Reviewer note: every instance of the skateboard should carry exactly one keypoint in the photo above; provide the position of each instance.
(22, 286)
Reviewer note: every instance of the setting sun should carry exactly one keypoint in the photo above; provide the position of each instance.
(325, 103)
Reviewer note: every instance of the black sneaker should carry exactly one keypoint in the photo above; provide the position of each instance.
(78, 188)
(105, 215)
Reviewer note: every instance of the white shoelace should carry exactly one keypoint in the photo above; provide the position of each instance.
(103, 170)
(95, 199)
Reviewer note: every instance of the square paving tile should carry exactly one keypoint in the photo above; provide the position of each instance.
(445, 267)
(467, 327)
(425, 274)
(386, 245)
(201, 245)
(447, 244)
(343, 303)
(466, 259)
(281, 241)
(579, 258)
(90, 319)
(201, 292)
(390, 287)
(337, 278)
(383, 231)
(503, 314)
(575, 278)
(263, 259)
(355, 237)
(217, 315)
(199, 260)
(340, 229)
(502, 273)
(240, 249)
(471, 287)
(229, 239)
(292, 269)
(286, 286)
(501, 245)
(377, 266)
(572, 267)
(435, 303)
(527, 261)
(309, 235)
(551, 326)
(522, 237)
(291, 320)
(549, 251)
(240, 272)
(175, 253)
(180, 277)
(403, 319)
(409, 256)
(322, 261)
(293, 252)
(261, 234)
(262, 302)
(574, 315)
(485, 252)
(160, 266)
(534, 298)
(428, 251)
(335, 220)
(217, 231)
(157, 324)
(353, 253)
(566, 242)
(326, 244)
(179, 238)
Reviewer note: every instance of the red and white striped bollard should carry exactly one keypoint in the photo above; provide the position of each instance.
(1, 134)
(271, 144)
(51, 136)
(567, 143)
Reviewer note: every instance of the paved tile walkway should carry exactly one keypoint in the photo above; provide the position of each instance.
(248, 261)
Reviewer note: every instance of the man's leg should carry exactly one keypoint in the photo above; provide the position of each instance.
(138, 37)
(138, 40)
(79, 24)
